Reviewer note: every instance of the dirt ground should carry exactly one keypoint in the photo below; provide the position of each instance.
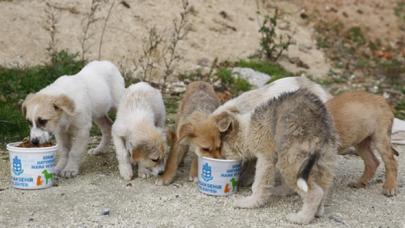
(79, 202)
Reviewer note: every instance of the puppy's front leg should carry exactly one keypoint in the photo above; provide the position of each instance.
(265, 171)
(64, 145)
(124, 164)
(79, 145)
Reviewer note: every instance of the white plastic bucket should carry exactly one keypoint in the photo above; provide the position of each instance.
(218, 177)
(31, 168)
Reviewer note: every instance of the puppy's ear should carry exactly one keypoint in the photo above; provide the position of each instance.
(65, 104)
(137, 152)
(24, 104)
(225, 121)
(186, 131)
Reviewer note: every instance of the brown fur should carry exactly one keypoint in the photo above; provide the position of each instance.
(364, 120)
(199, 97)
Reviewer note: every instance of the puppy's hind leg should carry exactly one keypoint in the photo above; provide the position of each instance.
(383, 145)
(370, 164)
(311, 203)
(265, 171)
(105, 124)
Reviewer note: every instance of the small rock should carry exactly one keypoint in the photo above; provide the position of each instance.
(283, 25)
(30, 219)
(345, 14)
(177, 196)
(205, 62)
(330, 9)
(177, 87)
(337, 218)
(129, 185)
(255, 78)
(105, 211)
(303, 14)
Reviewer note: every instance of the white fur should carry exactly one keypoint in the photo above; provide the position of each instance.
(302, 184)
(95, 90)
(247, 101)
(141, 104)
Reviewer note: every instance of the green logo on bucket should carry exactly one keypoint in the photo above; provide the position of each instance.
(48, 176)
(206, 173)
(17, 166)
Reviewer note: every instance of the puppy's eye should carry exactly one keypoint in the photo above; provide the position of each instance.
(42, 122)
(155, 160)
(29, 123)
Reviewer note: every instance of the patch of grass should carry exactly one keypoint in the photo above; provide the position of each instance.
(16, 83)
(356, 35)
(273, 69)
(236, 85)
(399, 10)
(400, 110)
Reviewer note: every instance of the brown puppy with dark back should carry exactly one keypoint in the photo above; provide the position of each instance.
(365, 120)
(198, 102)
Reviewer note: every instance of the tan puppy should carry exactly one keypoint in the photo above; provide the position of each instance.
(364, 120)
(292, 134)
(198, 101)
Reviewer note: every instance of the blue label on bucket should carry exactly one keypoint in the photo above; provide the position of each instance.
(206, 174)
(17, 166)
(218, 181)
(22, 181)
(47, 162)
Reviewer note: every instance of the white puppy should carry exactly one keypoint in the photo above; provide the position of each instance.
(67, 107)
(138, 131)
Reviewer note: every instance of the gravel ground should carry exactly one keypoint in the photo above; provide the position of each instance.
(82, 201)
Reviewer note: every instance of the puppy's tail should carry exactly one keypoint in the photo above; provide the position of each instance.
(305, 170)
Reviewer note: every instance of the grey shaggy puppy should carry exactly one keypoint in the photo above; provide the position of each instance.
(292, 134)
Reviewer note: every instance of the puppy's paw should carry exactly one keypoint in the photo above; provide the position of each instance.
(248, 202)
(95, 151)
(389, 190)
(193, 179)
(299, 218)
(163, 181)
(126, 172)
(321, 211)
(69, 173)
(144, 175)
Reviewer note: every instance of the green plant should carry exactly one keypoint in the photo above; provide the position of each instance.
(236, 85)
(273, 69)
(272, 45)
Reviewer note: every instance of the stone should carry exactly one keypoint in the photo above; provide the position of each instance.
(255, 78)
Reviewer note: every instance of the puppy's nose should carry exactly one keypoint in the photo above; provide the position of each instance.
(35, 141)
(160, 172)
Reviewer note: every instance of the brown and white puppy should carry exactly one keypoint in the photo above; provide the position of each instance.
(67, 107)
(364, 120)
(198, 102)
(138, 131)
(292, 134)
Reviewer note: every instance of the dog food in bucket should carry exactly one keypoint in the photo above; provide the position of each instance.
(32, 167)
(218, 177)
